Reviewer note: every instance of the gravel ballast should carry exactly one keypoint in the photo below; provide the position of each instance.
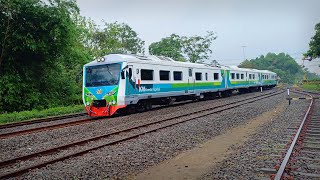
(261, 152)
(133, 156)
(22, 145)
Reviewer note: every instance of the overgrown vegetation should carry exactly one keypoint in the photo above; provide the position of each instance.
(35, 114)
(312, 85)
(40, 54)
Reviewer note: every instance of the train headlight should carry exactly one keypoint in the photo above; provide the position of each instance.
(89, 94)
(113, 102)
(101, 59)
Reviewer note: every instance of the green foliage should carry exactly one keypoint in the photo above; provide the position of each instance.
(312, 85)
(116, 38)
(28, 115)
(170, 47)
(314, 45)
(282, 64)
(40, 54)
(192, 49)
(197, 48)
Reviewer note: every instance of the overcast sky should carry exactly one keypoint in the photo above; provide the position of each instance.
(261, 25)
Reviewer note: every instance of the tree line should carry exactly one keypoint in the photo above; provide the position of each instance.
(44, 45)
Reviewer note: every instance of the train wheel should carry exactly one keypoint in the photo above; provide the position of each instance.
(141, 106)
(148, 106)
(223, 94)
(131, 109)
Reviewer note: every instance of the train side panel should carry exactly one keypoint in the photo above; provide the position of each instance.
(156, 81)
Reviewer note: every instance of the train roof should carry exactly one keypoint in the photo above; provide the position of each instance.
(151, 59)
(161, 60)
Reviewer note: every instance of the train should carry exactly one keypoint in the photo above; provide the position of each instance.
(127, 83)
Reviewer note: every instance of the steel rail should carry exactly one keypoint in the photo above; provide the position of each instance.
(36, 121)
(57, 149)
(294, 141)
(43, 128)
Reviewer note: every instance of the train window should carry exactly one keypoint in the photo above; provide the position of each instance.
(177, 75)
(103, 75)
(164, 75)
(190, 72)
(250, 76)
(242, 76)
(198, 76)
(216, 76)
(146, 74)
(206, 75)
(232, 75)
(253, 76)
(238, 76)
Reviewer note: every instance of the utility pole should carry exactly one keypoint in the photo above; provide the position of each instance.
(244, 55)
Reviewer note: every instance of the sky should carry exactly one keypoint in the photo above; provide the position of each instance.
(246, 29)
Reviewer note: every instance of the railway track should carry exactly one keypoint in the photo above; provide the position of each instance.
(45, 128)
(37, 121)
(114, 136)
(51, 127)
(301, 160)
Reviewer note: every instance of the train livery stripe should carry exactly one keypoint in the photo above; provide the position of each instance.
(197, 84)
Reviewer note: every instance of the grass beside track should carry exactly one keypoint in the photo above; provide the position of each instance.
(311, 85)
(314, 87)
(36, 114)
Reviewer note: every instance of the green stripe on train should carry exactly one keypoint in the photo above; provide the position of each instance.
(244, 82)
(184, 85)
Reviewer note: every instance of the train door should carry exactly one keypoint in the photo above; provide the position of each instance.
(131, 81)
(191, 81)
(226, 77)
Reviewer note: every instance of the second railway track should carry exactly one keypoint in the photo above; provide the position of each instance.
(301, 161)
(12, 168)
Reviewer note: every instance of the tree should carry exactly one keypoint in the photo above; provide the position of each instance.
(314, 45)
(40, 53)
(116, 37)
(197, 48)
(181, 48)
(282, 64)
(170, 47)
(86, 29)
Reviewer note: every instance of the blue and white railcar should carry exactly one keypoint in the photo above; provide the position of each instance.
(119, 81)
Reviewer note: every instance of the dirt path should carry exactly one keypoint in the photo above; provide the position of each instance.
(197, 161)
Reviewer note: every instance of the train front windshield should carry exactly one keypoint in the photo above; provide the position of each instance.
(102, 75)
